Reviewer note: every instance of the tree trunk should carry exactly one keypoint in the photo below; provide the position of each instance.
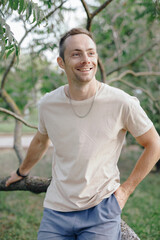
(17, 141)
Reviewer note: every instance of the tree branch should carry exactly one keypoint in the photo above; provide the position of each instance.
(134, 74)
(33, 184)
(133, 60)
(119, 78)
(8, 70)
(17, 117)
(102, 70)
(17, 141)
(86, 9)
(90, 16)
(98, 10)
(9, 101)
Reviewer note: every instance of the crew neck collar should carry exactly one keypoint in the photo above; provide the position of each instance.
(85, 100)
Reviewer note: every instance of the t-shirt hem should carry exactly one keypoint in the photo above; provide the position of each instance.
(50, 206)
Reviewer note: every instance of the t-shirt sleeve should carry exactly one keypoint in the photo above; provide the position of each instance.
(41, 123)
(137, 121)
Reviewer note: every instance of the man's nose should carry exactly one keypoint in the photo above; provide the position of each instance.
(85, 58)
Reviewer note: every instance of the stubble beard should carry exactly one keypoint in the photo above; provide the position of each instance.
(84, 79)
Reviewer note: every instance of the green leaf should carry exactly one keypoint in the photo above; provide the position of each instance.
(9, 52)
(17, 50)
(15, 4)
(37, 13)
(10, 46)
(29, 10)
(11, 3)
(34, 16)
(21, 6)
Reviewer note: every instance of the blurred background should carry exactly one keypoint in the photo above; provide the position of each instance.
(128, 43)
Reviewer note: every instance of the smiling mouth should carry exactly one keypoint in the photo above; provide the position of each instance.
(84, 69)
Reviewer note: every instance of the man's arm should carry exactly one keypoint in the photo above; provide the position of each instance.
(151, 154)
(37, 148)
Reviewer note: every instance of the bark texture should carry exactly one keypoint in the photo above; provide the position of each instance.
(127, 232)
(32, 184)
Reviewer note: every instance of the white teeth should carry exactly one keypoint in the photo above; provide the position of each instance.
(84, 69)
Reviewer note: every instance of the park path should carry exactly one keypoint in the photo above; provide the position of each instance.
(6, 141)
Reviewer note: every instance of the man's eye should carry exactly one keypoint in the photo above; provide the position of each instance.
(91, 53)
(75, 54)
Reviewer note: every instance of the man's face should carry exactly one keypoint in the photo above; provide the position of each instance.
(80, 58)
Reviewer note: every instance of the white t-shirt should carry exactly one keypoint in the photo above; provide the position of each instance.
(86, 150)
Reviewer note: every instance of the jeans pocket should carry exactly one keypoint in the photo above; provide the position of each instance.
(111, 208)
(120, 210)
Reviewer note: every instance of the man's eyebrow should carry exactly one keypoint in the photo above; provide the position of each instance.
(76, 50)
(79, 50)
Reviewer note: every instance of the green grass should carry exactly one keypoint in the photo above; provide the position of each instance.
(142, 211)
(21, 212)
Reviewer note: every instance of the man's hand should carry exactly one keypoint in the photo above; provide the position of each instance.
(13, 178)
(37, 148)
(122, 196)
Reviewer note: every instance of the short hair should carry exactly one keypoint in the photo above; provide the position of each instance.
(73, 31)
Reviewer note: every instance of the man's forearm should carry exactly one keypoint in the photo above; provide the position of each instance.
(151, 154)
(35, 152)
(144, 165)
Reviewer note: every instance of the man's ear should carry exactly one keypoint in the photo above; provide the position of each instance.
(60, 62)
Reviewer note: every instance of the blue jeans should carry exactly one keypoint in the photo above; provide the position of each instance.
(102, 222)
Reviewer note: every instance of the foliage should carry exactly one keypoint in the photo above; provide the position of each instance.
(7, 41)
(25, 81)
(32, 77)
(128, 39)
(150, 8)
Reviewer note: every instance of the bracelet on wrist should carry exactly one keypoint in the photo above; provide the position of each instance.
(21, 175)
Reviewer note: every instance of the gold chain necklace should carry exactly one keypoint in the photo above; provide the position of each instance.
(82, 116)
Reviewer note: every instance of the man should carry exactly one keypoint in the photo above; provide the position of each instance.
(87, 122)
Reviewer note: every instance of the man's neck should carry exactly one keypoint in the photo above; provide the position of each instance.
(82, 92)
